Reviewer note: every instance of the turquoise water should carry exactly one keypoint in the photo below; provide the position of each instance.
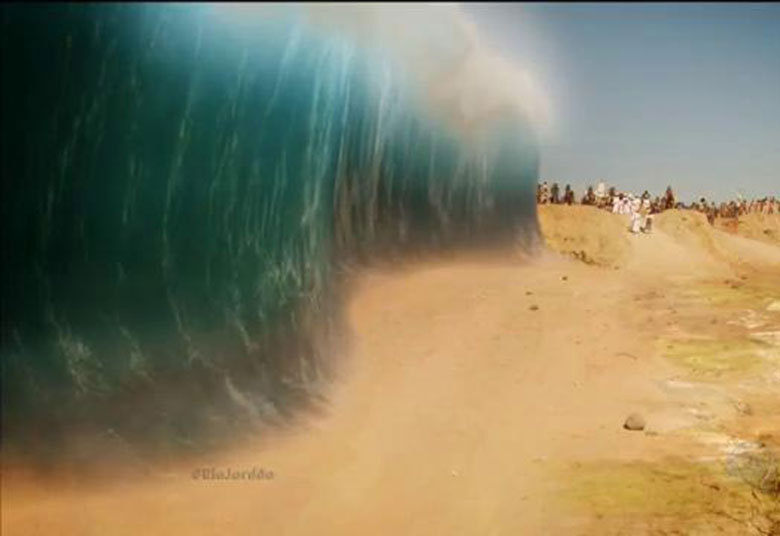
(181, 198)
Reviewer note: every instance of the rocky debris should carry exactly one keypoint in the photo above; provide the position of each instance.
(582, 256)
(534, 308)
(564, 278)
(634, 422)
(765, 438)
(743, 407)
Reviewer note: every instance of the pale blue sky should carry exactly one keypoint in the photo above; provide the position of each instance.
(646, 95)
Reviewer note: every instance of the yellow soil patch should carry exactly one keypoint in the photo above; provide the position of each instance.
(672, 496)
(709, 359)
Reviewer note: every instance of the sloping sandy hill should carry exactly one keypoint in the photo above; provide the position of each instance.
(763, 227)
(589, 234)
(691, 230)
(682, 241)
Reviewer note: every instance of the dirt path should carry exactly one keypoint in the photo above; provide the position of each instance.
(478, 396)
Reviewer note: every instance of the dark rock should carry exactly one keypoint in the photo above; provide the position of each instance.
(634, 422)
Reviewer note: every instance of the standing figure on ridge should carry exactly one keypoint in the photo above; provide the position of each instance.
(601, 194)
(568, 195)
(590, 197)
(544, 193)
(669, 201)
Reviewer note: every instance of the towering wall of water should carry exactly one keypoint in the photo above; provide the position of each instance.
(180, 191)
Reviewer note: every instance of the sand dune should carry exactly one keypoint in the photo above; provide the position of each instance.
(488, 397)
(763, 227)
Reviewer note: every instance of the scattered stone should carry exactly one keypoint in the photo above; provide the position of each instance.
(634, 422)
(651, 433)
(528, 293)
(743, 407)
(534, 308)
(565, 278)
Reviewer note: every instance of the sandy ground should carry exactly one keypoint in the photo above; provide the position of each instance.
(488, 397)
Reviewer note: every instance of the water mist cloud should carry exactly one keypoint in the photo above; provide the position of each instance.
(458, 75)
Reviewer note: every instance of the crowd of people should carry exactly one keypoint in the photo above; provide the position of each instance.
(641, 208)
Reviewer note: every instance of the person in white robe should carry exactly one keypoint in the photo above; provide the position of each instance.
(601, 192)
(617, 203)
(636, 218)
(647, 218)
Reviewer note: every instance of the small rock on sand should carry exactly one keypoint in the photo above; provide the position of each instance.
(534, 308)
(743, 408)
(634, 422)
